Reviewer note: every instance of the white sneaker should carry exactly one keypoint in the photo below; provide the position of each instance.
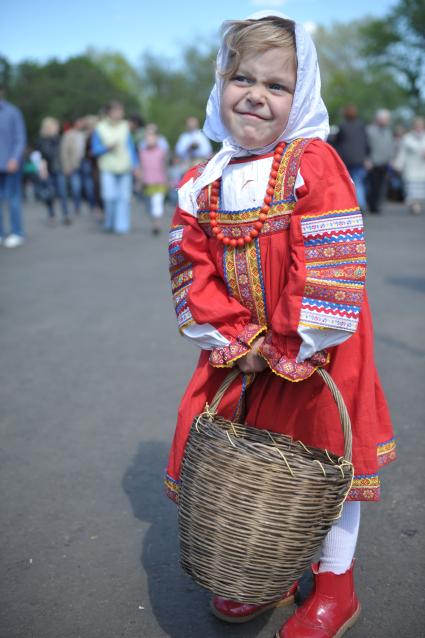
(13, 241)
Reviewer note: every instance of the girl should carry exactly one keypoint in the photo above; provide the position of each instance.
(153, 165)
(268, 267)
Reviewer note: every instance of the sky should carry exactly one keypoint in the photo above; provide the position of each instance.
(44, 29)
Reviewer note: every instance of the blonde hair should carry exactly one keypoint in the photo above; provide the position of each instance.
(248, 36)
(49, 127)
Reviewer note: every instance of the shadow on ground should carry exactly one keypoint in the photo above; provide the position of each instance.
(178, 604)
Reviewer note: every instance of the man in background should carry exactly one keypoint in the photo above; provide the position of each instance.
(382, 151)
(12, 148)
(193, 146)
(353, 148)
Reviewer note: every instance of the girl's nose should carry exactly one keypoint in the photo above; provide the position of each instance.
(255, 95)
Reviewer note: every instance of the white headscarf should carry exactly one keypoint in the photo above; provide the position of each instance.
(308, 116)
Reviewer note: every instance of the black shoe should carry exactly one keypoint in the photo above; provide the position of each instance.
(305, 587)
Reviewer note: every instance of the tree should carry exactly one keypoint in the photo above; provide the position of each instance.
(119, 71)
(349, 77)
(64, 90)
(5, 71)
(397, 43)
(172, 94)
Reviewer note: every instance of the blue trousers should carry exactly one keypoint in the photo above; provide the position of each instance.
(358, 175)
(11, 192)
(116, 195)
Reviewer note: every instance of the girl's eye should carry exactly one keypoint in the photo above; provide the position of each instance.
(241, 79)
(278, 87)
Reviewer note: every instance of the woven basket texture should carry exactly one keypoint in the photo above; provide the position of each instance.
(255, 506)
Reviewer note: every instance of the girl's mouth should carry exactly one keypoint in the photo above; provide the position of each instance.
(254, 115)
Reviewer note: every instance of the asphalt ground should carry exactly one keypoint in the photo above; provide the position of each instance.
(91, 372)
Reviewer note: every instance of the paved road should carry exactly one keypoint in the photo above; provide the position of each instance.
(90, 376)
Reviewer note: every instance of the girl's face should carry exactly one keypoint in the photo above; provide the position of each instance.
(256, 101)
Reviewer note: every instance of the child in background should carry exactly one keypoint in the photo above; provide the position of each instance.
(268, 266)
(175, 174)
(153, 165)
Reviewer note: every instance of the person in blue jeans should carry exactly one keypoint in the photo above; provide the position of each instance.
(12, 147)
(52, 182)
(72, 151)
(112, 144)
(353, 148)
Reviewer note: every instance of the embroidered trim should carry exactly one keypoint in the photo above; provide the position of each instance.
(172, 488)
(288, 170)
(245, 214)
(287, 367)
(365, 488)
(235, 224)
(336, 269)
(239, 347)
(240, 223)
(331, 212)
(181, 277)
(242, 267)
(244, 279)
(387, 452)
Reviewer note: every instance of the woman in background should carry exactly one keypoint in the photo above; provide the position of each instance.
(52, 182)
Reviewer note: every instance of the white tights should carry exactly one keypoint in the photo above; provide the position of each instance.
(339, 545)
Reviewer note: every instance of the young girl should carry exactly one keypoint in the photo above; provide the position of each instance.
(268, 266)
(153, 164)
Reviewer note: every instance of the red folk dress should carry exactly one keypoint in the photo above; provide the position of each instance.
(301, 285)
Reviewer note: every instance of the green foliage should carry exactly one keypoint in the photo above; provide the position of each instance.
(5, 71)
(397, 43)
(118, 70)
(172, 94)
(348, 77)
(64, 90)
(372, 63)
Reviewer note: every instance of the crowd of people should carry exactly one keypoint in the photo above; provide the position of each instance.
(103, 161)
(383, 160)
(107, 159)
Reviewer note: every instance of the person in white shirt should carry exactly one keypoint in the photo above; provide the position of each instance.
(410, 161)
(193, 146)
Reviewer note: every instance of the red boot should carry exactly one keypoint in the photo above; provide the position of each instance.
(232, 611)
(330, 610)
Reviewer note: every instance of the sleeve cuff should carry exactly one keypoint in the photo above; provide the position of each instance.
(238, 347)
(286, 366)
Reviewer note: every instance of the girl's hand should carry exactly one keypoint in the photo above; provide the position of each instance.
(252, 362)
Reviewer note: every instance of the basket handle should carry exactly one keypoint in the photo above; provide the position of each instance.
(342, 408)
(227, 382)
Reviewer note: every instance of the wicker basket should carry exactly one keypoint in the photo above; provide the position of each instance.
(254, 505)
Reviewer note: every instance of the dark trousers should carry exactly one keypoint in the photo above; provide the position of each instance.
(376, 186)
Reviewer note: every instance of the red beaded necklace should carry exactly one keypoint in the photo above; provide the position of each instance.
(249, 237)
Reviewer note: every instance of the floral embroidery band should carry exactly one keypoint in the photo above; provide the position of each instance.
(335, 256)
(242, 267)
(237, 348)
(244, 280)
(286, 367)
(181, 277)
